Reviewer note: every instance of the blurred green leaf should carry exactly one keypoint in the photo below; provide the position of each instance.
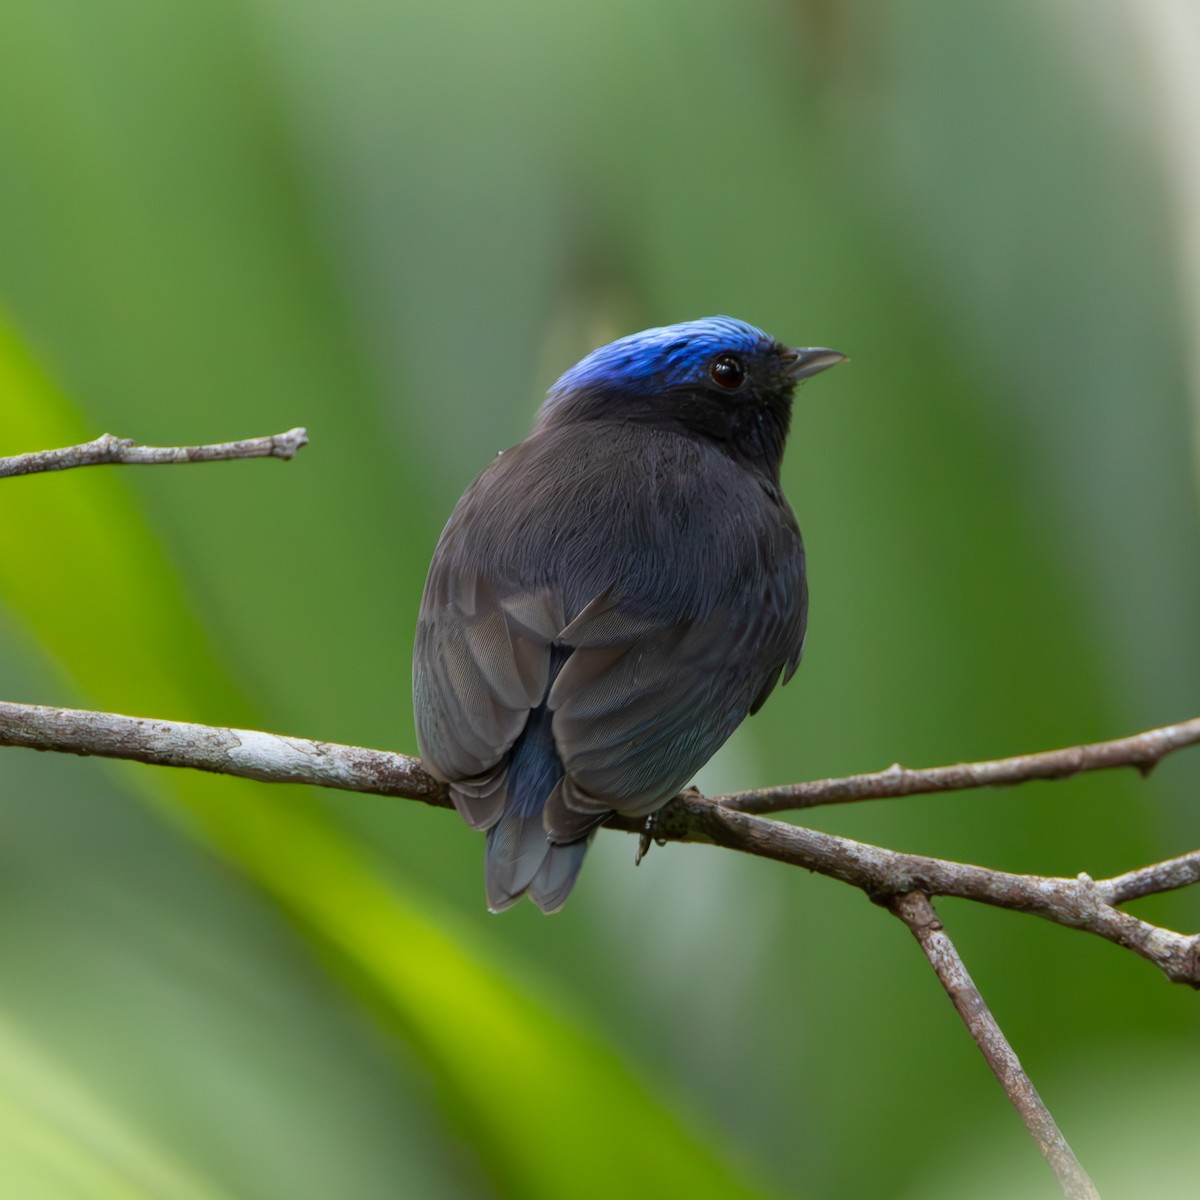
(57, 1140)
(505, 1061)
(396, 224)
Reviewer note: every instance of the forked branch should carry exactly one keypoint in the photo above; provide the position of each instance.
(903, 883)
(1079, 903)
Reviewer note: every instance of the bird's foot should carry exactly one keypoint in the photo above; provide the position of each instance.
(648, 835)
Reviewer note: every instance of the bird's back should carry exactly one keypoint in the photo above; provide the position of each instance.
(606, 604)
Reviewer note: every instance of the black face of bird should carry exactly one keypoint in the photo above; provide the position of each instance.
(719, 379)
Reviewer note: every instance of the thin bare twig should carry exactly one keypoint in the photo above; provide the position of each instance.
(915, 910)
(1078, 903)
(108, 449)
(1147, 881)
(1143, 751)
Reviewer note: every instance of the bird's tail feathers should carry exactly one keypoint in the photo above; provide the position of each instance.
(551, 886)
(480, 801)
(520, 857)
(516, 849)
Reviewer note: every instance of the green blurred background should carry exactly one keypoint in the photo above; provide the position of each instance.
(396, 223)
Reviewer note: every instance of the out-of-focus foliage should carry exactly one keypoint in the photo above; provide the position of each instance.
(395, 224)
(473, 1027)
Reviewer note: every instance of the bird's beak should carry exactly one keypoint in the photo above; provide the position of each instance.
(800, 364)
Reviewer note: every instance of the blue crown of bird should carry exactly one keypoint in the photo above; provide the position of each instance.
(613, 596)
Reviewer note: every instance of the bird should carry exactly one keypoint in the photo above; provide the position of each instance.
(613, 596)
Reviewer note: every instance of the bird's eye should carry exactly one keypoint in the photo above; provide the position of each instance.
(727, 371)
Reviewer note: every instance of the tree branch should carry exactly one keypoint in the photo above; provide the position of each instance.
(915, 910)
(901, 882)
(1143, 751)
(246, 753)
(1079, 903)
(109, 449)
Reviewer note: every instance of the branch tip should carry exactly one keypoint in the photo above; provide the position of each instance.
(1143, 751)
(109, 449)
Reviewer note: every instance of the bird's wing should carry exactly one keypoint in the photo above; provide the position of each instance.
(481, 663)
(641, 704)
(662, 656)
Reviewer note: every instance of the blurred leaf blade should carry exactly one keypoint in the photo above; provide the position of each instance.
(505, 1061)
(397, 223)
(66, 535)
(56, 1139)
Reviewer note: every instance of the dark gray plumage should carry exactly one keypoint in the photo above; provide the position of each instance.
(613, 596)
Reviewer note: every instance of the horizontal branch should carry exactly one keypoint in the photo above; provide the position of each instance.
(246, 753)
(1079, 903)
(1143, 751)
(108, 449)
